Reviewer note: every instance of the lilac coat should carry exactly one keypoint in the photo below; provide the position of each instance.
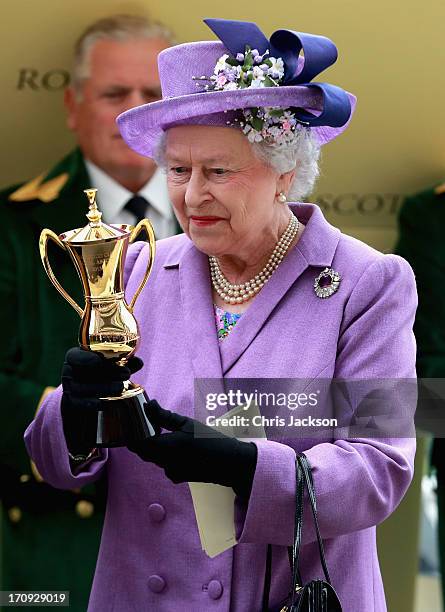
(150, 556)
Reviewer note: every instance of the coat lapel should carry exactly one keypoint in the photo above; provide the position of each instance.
(200, 329)
(316, 247)
(253, 319)
(197, 305)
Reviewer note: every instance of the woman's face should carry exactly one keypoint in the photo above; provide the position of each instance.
(223, 196)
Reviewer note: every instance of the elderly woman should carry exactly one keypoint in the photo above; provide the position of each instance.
(239, 132)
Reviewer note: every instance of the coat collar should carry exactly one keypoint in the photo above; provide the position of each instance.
(316, 247)
(320, 239)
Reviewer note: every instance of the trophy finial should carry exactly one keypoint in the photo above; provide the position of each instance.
(94, 215)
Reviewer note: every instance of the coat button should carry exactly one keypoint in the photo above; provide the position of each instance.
(84, 508)
(15, 514)
(156, 583)
(156, 512)
(215, 589)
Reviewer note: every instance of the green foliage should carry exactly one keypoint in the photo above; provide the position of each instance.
(269, 82)
(257, 123)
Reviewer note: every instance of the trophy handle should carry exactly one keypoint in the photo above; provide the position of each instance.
(43, 247)
(143, 224)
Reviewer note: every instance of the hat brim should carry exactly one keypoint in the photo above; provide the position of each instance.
(141, 127)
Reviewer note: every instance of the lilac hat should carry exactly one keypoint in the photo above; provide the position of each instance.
(325, 108)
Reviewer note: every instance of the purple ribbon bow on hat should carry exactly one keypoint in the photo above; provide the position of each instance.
(319, 53)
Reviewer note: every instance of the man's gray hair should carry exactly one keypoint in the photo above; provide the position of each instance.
(115, 27)
(302, 155)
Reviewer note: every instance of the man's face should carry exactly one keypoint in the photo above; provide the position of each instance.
(122, 74)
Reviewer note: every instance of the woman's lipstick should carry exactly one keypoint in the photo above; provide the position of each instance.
(205, 220)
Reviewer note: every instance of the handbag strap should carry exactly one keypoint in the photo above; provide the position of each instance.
(298, 524)
(303, 463)
(293, 551)
(267, 579)
(303, 473)
(294, 555)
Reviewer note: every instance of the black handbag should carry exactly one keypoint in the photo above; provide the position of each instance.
(317, 595)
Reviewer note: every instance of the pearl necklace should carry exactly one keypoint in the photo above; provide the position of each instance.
(237, 294)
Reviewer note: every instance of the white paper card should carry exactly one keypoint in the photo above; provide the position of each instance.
(214, 504)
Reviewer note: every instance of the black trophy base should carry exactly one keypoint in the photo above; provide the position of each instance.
(123, 421)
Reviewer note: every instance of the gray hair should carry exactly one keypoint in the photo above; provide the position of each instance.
(302, 154)
(115, 27)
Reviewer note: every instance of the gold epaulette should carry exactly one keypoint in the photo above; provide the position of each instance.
(36, 190)
(440, 189)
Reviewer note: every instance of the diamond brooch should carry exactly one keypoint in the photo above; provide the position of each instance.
(327, 283)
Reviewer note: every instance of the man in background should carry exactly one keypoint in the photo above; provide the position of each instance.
(421, 221)
(49, 537)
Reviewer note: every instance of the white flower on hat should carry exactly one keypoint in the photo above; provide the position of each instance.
(257, 83)
(257, 72)
(276, 70)
(221, 63)
(254, 136)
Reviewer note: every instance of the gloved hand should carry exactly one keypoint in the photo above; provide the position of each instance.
(87, 376)
(194, 452)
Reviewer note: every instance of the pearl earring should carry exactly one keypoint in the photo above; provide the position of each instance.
(282, 198)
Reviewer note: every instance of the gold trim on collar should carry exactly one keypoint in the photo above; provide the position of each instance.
(35, 190)
(440, 189)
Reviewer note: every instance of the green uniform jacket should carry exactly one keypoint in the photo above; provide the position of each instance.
(49, 537)
(421, 242)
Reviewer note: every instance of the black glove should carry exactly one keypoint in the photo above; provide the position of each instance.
(87, 376)
(194, 452)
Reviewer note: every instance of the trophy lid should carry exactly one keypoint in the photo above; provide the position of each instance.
(95, 230)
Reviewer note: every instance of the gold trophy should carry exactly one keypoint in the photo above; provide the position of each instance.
(108, 325)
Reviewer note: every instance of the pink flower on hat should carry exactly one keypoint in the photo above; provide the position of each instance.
(221, 80)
